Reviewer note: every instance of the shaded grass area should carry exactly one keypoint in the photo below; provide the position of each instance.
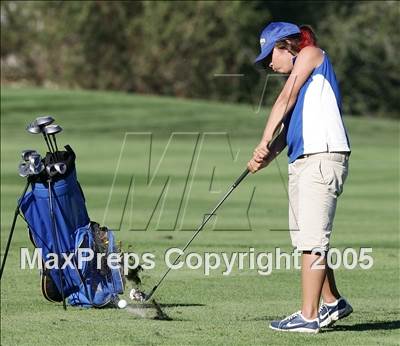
(208, 150)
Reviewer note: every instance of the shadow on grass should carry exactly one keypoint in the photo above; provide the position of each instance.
(265, 318)
(161, 315)
(151, 305)
(361, 327)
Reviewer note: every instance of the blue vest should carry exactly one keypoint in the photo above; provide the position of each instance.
(315, 124)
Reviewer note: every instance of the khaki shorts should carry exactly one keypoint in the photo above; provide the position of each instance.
(315, 183)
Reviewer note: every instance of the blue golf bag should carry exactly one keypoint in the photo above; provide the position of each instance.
(59, 225)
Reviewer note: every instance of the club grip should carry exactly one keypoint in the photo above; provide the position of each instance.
(238, 180)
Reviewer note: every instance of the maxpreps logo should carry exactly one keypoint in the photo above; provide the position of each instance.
(262, 41)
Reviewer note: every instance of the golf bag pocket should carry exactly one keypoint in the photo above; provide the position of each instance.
(100, 283)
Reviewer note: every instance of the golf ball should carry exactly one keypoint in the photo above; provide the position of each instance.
(122, 304)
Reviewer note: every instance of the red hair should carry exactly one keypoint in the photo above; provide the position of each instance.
(295, 43)
(307, 37)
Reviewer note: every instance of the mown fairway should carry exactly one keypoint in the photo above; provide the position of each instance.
(199, 164)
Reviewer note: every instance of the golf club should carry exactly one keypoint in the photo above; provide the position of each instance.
(33, 166)
(60, 167)
(26, 153)
(38, 169)
(23, 170)
(142, 296)
(34, 159)
(42, 122)
(35, 163)
(37, 127)
(54, 168)
(52, 130)
(51, 170)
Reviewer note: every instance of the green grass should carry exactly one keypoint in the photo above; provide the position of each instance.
(216, 309)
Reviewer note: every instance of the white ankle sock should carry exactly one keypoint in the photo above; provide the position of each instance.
(332, 304)
(306, 319)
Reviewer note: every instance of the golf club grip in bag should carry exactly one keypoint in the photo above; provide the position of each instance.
(58, 223)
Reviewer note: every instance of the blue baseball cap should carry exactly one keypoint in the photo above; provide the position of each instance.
(273, 33)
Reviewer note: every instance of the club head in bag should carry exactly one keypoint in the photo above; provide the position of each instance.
(56, 168)
(36, 169)
(44, 121)
(51, 170)
(23, 169)
(33, 128)
(60, 167)
(35, 159)
(26, 153)
(35, 163)
(37, 127)
(52, 129)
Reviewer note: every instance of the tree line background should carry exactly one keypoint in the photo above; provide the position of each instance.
(179, 48)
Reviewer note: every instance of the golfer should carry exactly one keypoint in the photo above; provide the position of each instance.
(307, 113)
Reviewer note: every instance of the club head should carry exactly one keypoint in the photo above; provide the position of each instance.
(52, 129)
(36, 169)
(26, 153)
(23, 170)
(35, 159)
(138, 296)
(33, 128)
(44, 121)
(51, 170)
(60, 167)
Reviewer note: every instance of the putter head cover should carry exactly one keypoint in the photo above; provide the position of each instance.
(137, 295)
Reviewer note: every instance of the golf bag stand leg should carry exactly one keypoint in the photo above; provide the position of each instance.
(56, 243)
(3, 263)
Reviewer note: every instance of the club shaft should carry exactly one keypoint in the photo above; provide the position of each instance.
(56, 244)
(55, 144)
(234, 185)
(55, 141)
(199, 229)
(47, 142)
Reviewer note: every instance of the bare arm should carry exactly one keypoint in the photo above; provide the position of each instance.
(307, 60)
